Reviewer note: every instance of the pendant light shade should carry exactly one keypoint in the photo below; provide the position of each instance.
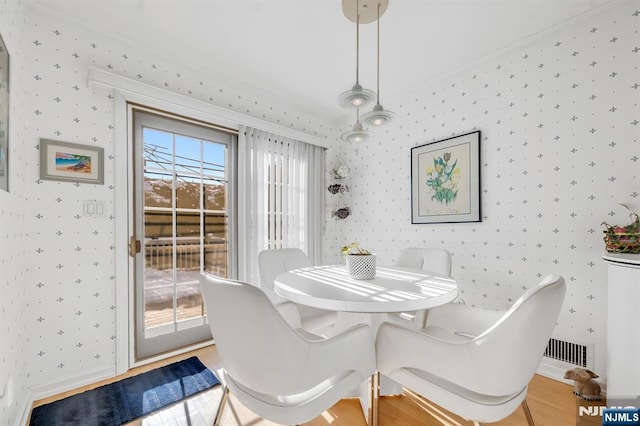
(356, 97)
(357, 132)
(379, 116)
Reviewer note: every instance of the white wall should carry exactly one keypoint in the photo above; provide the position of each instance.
(560, 149)
(13, 277)
(71, 281)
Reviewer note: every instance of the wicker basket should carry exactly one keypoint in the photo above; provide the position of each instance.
(623, 239)
(623, 242)
(361, 266)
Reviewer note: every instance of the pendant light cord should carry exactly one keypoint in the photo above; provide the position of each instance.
(357, 41)
(378, 59)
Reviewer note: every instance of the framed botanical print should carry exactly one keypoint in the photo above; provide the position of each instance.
(445, 180)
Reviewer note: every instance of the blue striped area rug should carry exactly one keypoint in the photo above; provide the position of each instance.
(128, 399)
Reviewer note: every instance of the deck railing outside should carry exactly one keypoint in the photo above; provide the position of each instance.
(159, 279)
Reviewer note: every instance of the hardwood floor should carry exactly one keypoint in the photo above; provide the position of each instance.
(552, 403)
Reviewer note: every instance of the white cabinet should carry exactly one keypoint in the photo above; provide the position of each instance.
(623, 327)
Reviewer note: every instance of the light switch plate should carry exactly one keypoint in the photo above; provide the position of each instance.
(94, 208)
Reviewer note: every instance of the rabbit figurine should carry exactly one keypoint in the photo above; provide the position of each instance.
(584, 384)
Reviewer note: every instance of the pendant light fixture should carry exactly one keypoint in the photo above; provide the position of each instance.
(357, 96)
(379, 115)
(357, 132)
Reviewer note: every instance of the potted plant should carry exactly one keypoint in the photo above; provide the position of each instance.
(623, 239)
(361, 263)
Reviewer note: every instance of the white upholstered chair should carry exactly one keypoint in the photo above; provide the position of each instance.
(272, 263)
(428, 259)
(474, 362)
(281, 374)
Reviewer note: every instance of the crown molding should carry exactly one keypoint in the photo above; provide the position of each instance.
(204, 110)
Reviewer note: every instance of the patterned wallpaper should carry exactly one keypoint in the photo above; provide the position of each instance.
(560, 150)
(14, 331)
(71, 285)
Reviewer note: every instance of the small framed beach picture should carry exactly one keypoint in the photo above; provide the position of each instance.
(445, 180)
(71, 162)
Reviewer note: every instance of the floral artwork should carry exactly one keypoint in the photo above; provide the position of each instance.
(443, 178)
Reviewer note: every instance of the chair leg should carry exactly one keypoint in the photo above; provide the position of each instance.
(476, 423)
(223, 402)
(374, 398)
(527, 413)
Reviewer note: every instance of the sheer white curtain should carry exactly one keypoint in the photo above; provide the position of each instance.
(280, 197)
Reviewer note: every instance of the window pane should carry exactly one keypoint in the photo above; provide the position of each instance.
(157, 190)
(188, 157)
(215, 195)
(214, 160)
(187, 242)
(187, 192)
(188, 255)
(158, 280)
(216, 245)
(158, 168)
(158, 150)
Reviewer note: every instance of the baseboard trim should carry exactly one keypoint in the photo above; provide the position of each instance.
(44, 391)
(552, 371)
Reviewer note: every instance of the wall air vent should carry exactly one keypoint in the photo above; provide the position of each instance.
(574, 354)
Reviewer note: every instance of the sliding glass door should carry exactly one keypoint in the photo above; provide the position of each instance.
(183, 226)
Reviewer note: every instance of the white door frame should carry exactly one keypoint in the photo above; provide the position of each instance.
(125, 264)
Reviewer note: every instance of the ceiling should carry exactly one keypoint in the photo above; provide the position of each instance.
(304, 50)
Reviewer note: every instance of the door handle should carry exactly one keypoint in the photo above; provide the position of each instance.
(134, 246)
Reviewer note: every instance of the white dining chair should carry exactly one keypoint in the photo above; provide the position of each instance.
(433, 260)
(473, 362)
(272, 263)
(427, 259)
(283, 375)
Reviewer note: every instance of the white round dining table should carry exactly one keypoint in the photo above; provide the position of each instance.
(393, 289)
